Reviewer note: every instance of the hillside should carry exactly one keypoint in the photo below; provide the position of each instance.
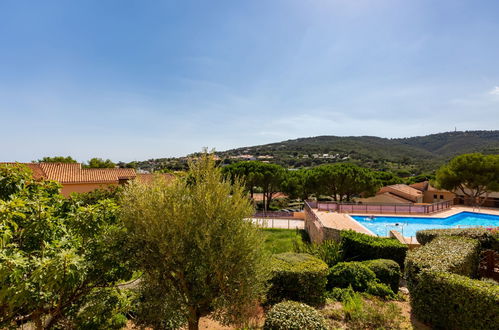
(408, 156)
(420, 152)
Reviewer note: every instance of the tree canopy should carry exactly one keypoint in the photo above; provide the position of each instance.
(198, 254)
(100, 163)
(57, 159)
(475, 175)
(59, 260)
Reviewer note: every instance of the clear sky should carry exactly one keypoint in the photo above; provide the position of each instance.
(132, 80)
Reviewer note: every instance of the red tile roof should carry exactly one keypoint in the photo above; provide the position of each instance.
(71, 173)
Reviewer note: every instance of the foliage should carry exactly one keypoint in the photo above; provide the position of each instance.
(341, 294)
(57, 159)
(387, 178)
(353, 273)
(197, 252)
(99, 163)
(344, 181)
(300, 184)
(281, 240)
(94, 196)
(257, 174)
(453, 301)
(386, 271)
(456, 255)
(371, 315)
(328, 251)
(489, 239)
(297, 276)
(291, 315)
(475, 175)
(358, 246)
(57, 259)
(379, 289)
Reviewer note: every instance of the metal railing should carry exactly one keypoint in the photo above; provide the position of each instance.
(380, 208)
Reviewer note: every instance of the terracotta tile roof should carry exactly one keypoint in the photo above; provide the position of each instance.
(73, 173)
(35, 168)
(421, 186)
(405, 189)
(385, 198)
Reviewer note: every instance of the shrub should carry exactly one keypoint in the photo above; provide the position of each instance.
(489, 239)
(354, 274)
(327, 251)
(341, 294)
(299, 277)
(387, 272)
(457, 255)
(358, 246)
(371, 315)
(291, 315)
(379, 289)
(453, 301)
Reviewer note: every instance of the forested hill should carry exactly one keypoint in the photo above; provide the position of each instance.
(425, 152)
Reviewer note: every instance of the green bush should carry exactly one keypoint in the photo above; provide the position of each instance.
(341, 294)
(291, 315)
(456, 255)
(489, 239)
(387, 272)
(358, 246)
(379, 289)
(328, 251)
(453, 301)
(353, 273)
(299, 277)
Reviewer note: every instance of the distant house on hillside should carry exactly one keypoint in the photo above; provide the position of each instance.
(74, 178)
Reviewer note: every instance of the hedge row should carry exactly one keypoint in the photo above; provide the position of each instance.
(357, 246)
(489, 239)
(299, 277)
(456, 255)
(450, 301)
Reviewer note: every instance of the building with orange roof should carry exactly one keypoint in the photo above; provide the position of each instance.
(432, 194)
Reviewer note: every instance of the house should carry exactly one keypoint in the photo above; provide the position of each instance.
(74, 178)
(432, 194)
(410, 194)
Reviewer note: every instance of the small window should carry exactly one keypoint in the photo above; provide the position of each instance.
(441, 196)
(435, 196)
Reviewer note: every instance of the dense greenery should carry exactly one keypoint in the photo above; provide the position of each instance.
(475, 175)
(198, 254)
(99, 163)
(358, 246)
(451, 301)
(57, 159)
(281, 240)
(489, 239)
(60, 261)
(353, 273)
(292, 315)
(299, 277)
(386, 271)
(457, 255)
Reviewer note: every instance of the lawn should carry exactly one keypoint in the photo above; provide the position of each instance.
(281, 240)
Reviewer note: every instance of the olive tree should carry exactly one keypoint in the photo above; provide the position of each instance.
(197, 253)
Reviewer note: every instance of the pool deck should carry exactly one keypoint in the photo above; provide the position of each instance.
(344, 221)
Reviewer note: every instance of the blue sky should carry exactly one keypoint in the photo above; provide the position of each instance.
(132, 80)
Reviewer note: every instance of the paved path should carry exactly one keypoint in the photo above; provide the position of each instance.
(280, 223)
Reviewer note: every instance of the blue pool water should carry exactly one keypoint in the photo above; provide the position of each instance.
(408, 226)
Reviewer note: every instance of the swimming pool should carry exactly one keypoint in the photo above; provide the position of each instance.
(408, 226)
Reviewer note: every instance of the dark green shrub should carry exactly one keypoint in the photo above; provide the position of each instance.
(299, 277)
(358, 246)
(353, 273)
(489, 239)
(379, 289)
(451, 301)
(456, 255)
(291, 315)
(387, 272)
(341, 294)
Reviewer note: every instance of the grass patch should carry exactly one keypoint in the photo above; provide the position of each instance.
(281, 240)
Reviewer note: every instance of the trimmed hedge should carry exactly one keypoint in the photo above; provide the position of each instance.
(387, 272)
(291, 315)
(298, 277)
(489, 239)
(353, 273)
(450, 301)
(456, 255)
(359, 247)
